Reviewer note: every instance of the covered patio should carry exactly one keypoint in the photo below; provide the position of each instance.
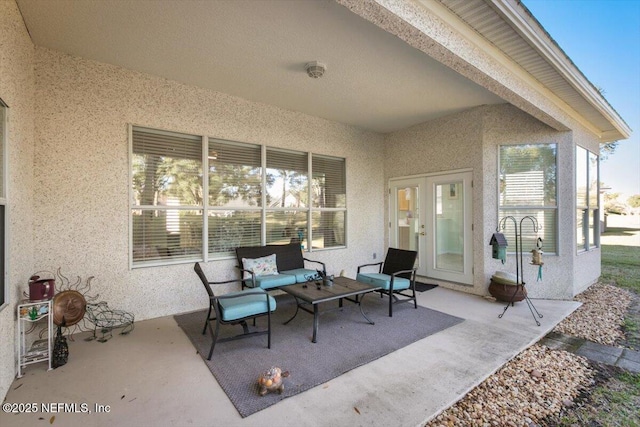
(412, 89)
(154, 377)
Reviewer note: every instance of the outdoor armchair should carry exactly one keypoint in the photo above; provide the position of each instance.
(396, 276)
(235, 309)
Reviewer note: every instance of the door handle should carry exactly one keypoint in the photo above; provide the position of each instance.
(423, 233)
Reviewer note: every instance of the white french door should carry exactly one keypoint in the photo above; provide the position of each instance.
(433, 215)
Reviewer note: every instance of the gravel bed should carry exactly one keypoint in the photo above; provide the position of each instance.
(540, 382)
(600, 317)
(536, 383)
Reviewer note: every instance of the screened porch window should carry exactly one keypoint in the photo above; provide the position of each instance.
(527, 186)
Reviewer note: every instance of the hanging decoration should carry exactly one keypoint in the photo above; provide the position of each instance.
(536, 257)
(499, 250)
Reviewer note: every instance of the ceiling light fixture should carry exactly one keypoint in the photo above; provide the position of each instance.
(315, 69)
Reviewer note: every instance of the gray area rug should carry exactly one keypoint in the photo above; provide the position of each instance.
(345, 341)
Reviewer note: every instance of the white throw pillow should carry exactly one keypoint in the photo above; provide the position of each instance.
(260, 266)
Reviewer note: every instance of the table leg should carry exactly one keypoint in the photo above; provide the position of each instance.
(294, 314)
(316, 316)
(362, 312)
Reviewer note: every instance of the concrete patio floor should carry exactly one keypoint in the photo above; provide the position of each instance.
(154, 377)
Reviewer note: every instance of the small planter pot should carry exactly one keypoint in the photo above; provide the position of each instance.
(505, 293)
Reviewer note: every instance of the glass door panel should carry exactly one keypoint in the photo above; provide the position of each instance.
(407, 212)
(449, 229)
(407, 228)
(449, 248)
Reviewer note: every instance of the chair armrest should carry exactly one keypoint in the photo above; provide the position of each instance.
(243, 280)
(324, 268)
(224, 282)
(379, 264)
(412, 271)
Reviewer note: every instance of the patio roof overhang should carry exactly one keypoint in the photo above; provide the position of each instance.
(510, 26)
(389, 63)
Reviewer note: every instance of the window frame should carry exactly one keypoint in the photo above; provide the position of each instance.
(208, 207)
(181, 207)
(586, 210)
(527, 232)
(4, 208)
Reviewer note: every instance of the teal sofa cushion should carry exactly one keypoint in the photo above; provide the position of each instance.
(249, 305)
(269, 281)
(301, 274)
(384, 281)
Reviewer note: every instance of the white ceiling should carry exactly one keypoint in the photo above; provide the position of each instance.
(257, 50)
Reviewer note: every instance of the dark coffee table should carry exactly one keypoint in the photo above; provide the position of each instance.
(343, 288)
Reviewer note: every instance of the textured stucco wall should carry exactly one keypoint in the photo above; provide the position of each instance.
(587, 265)
(17, 85)
(449, 143)
(505, 125)
(471, 139)
(429, 33)
(82, 174)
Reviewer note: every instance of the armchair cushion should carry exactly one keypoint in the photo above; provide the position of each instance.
(300, 274)
(383, 280)
(260, 266)
(269, 281)
(289, 261)
(236, 305)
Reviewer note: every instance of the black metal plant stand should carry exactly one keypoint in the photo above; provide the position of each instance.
(519, 267)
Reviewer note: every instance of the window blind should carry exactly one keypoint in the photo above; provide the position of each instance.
(235, 174)
(527, 187)
(329, 182)
(287, 179)
(172, 221)
(167, 190)
(235, 191)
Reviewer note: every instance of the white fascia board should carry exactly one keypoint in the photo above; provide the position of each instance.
(513, 12)
(470, 35)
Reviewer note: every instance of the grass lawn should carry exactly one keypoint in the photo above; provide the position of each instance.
(615, 400)
(621, 265)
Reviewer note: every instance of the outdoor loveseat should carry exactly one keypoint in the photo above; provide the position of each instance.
(273, 266)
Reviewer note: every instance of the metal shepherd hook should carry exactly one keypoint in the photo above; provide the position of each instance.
(519, 265)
